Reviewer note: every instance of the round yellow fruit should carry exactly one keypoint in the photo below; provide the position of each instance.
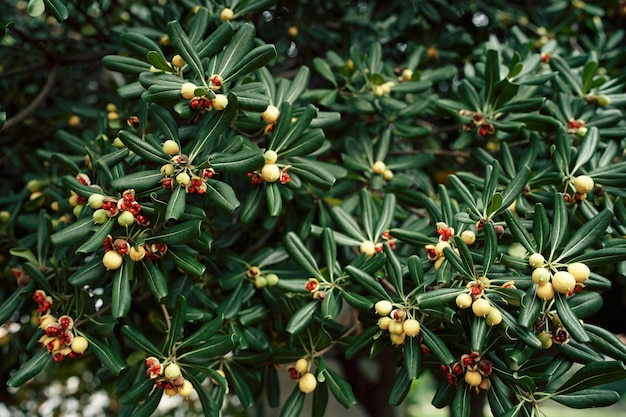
(464, 300)
(172, 371)
(112, 259)
(227, 14)
(79, 344)
(383, 323)
(468, 237)
(301, 366)
(396, 327)
(367, 247)
(270, 173)
(270, 156)
(307, 383)
(186, 389)
(379, 167)
(220, 102)
(473, 378)
(178, 61)
(187, 90)
(563, 282)
(545, 291)
(583, 184)
(383, 307)
(170, 147)
(494, 317)
(270, 115)
(411, 327)
(536, 260)
(579, 270)
(541, 275)
(481, 307)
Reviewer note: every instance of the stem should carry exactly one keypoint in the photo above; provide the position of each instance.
(32, 107)
(166, 316)
(334, 342)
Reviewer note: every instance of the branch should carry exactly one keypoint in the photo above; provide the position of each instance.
(30, 109)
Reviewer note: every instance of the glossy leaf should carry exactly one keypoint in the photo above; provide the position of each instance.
(30, 369)
(72, 233)
(302, 317)
(413, 357)
(96, 240)
(588, 398)
(593, 374)
(569, 319)
(11, 303)
(588, 234)
(222, 194)
(121, 296)
(367, 281)
(87, 273)
(109, 358)
(300, 254)
(400, 388)
(141, 341)
(183, 46)
(437, 346)
(178, 234)
(293, 405)
(340, 388)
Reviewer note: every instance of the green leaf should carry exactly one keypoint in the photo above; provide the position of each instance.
(599, 257)
(186, 262)
(183, 46)
(38, 278)
(302, 317)
(461, 405)
(178, 234)
(72, 233)
(367, 281)
(253, 60)
(588, 234)
(309, 142)
(222, 194)
(11, 303)
(31, 368)
(176, 325)
(324, 69)
(531, 307)
(587, 148)
(121, 296)
(331, 304)
(464, 193)
(514, 188)
(340, 388)
(236, 48)
(96, 240)
(491, 247)
(559, 223)
(155, 278)
(438, 297)
(137, 392)
(216, 41)
(541, 227)
(210, 128)
(208, 403)
(413, 357)
(141, 341)
(301, 255)
(588, 398)
(143, 148)
(148, 407)
(204, 333)
(385, 216)
(363, 340)
(238, 163)
(593, 374)
(314, 172)
(400, 388)
(274, 199)
(519, 232)
(294, 404)
(177, 203)
(478, 333)
(459, 264)
(569, 319)
(217, 345)
(437, 346)
(109, 358)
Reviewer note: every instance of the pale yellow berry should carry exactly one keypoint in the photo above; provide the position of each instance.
(301, 366)
(227, 14)
(383, 307)
(368, 248)
(473, 378)
(270, 173)
(536, 260)
(187, 90)
(583, 184)
(379, 167)
(307, 383)
(468, 237)
(541, 275)
(494, 317)
(481, 307)
(270, 115)
(411, 327)
(563, 282)
(464, 300)
(545, 291)
(579, 270)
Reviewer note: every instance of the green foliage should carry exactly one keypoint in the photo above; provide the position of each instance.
(228, 195)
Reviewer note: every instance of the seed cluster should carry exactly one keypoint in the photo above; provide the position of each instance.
(550, 279)
(168, 377)
(478, 121)
(472, 368)
(397, 322)
(446, 239)
(481, 306)
(116, 249)
(307, 382)
(59, 338)
(261, 279)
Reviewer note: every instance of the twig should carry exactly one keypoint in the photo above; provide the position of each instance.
(37, 101)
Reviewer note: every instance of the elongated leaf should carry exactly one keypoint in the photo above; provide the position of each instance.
(31, 368)
(11, 303)
(217, 345)
(340, 388)
(155, 278)
(216, 41)
(238, 163)
(413, 357)
(236, 48)
(141, 341)
(437, 298)
(222, 194)
(178, 234)
(301, 255)
(208, 403)
(385, 216)
(177, 203)
(362, 341)
(437, 346)
(478, 334)
(309, 142)
(569, 319)
(302, 317)
(137, 392)
(491, 247)
(253, 60)
(593, 374)
(367, 281)
(588, 234)
(274, 199)
(176, 325)
(541, 227)
(147, 408)
(588, 398)
(400, 388)
(72, 233)
(142, 147)
(109, 358)
(97, 239)
(514, 188)
(186, 262)
(492, 76)
(459, 264)
(212, 127)
(38, 277)
(461, 404)
(293, 405)
(587, 148)
(464, 193)
(519, 232)
(183, 46)
(531, 307)
(314, 172)
(121, 295)
(559, 223)
(203, 334)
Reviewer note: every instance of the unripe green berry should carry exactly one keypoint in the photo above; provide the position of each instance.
(603, 100)
(125, 219)
(100, 216)
(95, 201)
(272, 279)
(270, 156)
(172, 371)
(170, 147)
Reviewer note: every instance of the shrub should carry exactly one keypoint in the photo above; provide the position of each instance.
(243, 182)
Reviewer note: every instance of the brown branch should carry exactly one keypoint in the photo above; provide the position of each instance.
(37, 101)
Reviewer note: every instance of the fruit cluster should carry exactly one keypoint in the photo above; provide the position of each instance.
(270, 172)
(126, 209)
(208, 100)
(59, 338)
(473, 367)
(577, 127)
(481, 306)
(582, 184)
(168, 377)
(380, 90)
(181, 173)
(307, 382)
(478, 120)
(115, 249)
(380, 168)
(261, 279)
(270, 117)
(549, 279)
(397, 322)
